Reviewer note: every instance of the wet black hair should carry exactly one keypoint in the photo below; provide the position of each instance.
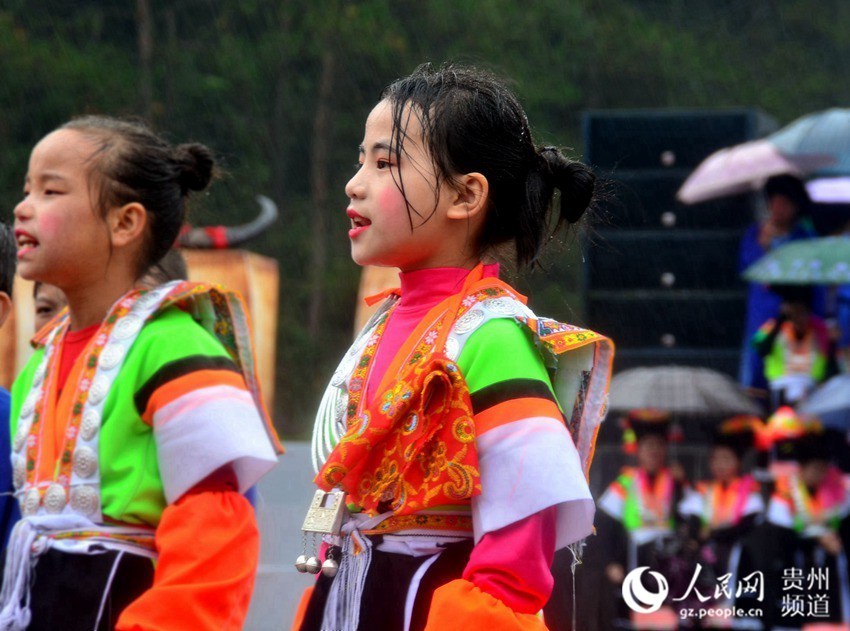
(134, 164)
(8, 259)
(472, 122)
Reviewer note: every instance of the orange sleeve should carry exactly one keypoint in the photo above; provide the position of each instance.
(209, 548)
(461, 605)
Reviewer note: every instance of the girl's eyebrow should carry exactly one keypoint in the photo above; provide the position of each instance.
(46, 177)
(50, 176)
(381, 145)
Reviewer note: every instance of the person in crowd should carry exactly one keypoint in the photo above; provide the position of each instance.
(442, 427)
(808, 522)
(722, 512)
(9, 513)
(639, 523)
(786, 220)
(49, 301)
(130, 450)
(795, 347)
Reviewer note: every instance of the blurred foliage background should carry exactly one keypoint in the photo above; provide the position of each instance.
(281, 90)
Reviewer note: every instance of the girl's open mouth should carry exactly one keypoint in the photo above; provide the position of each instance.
(25, 242)
(358, 223)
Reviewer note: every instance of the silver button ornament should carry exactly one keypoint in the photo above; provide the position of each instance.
(502, 306)
(84, 499)
(85, 462)
(452, 348)
(99, 389)
(29, 404)
(469, 321)
(90, 424)
(55, 499)
(127, 326)
(111, 356)
(32, 500)
(19, 472)
(147, 301)
(40, 372)
(21, 435)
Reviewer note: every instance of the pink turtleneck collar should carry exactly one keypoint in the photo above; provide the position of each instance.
(421, 290)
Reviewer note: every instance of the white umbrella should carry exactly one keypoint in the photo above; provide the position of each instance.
(680, 390)
(829, 190)
(744, 168)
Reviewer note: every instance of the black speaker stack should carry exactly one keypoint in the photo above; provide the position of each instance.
(662, 277)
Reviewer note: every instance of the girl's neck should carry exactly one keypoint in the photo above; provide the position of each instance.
(89, 304)
(430, 285)
(427, 286)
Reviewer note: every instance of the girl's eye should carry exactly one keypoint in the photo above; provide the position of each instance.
(51, 191)
(383, 164)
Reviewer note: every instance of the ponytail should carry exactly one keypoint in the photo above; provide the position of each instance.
(195, 163)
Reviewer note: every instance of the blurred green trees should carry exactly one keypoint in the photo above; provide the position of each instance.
(281, 91)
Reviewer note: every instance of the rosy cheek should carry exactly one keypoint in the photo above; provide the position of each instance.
(391, 201)
(49, 225)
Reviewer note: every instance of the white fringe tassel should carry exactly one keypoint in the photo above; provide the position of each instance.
(21, 557)
(342, 609)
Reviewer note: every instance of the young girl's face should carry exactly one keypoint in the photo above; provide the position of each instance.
(651, 453)
(723, 464)
(380, 231)
(61, 237)
(49, 301)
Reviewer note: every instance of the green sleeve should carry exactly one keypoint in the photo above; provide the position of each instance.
(21, 388)
(501, 350)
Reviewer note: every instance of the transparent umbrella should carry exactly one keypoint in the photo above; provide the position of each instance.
(824, 261)
(825, 133)
(680, 390)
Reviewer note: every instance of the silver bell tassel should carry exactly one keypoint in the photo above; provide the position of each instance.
(330, 568)
(313, 565)
(301, 563)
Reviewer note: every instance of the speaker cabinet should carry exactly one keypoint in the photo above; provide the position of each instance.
(662, 278)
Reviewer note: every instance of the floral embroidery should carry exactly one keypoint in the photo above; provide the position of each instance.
(414, 446)
(394, 398)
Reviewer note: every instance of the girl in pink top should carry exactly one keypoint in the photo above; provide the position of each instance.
(445, 424)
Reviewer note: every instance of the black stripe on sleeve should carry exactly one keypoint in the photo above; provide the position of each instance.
(502, 391)
(175, 370)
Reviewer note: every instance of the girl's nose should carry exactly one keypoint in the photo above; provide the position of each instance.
(354, 189)
(23, 210)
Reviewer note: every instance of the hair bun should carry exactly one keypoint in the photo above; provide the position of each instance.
(575, 180)
(195, 164)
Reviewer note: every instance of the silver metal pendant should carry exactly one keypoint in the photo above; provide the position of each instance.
(330, 568)
(326, 513)
(313, 566)
(301, 563)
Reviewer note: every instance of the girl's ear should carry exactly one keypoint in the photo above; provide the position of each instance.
(470, 196)
(127, 223)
